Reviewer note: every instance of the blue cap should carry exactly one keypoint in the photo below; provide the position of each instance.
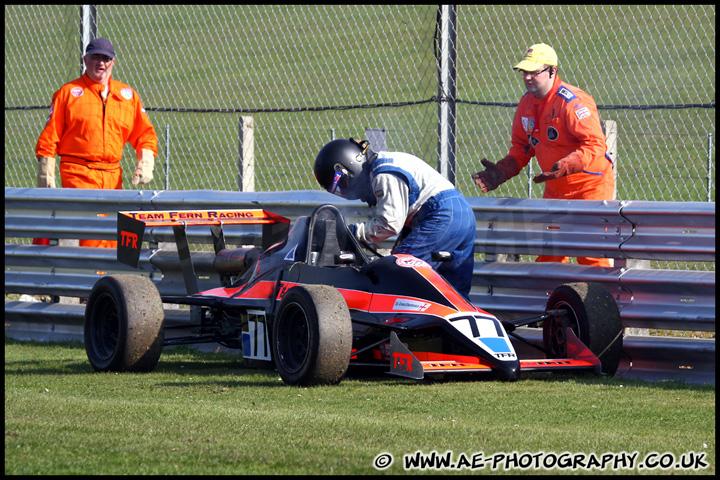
(100, 46)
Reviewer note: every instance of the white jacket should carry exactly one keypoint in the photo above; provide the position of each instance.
(402, 183)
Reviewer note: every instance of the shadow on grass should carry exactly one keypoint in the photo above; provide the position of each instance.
(41, 367)
(69, 344)
(204, 364)
(590, 379)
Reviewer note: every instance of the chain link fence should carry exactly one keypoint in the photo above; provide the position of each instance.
(308, 73)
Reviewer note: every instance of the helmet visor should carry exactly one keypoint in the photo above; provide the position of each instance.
(339, 185)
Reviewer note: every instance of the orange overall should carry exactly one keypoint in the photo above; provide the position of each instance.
(551, 128)
(89, 132)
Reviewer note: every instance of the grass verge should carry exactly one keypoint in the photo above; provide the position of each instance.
(204, 413)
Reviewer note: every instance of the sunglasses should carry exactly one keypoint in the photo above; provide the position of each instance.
(535, 74)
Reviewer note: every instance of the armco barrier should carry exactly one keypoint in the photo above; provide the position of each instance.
(629, 232)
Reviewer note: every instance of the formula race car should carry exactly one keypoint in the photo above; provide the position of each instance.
(317, 302)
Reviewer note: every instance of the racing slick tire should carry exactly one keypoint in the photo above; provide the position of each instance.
(124, 324)
(312, 336)
(594, 317)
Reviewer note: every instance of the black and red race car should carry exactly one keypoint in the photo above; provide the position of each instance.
(315, 303)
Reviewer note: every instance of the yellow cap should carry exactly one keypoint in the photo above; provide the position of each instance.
(536, 57)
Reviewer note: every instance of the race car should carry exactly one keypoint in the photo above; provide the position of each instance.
(314, 303)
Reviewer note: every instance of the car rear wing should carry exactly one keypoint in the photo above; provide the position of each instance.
(131, 228)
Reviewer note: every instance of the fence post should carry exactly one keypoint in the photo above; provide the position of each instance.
(377, 138)
(88, 29)
(447, 91)
(167, 157)
(709, 167)
(530, 176)
(246, 155)
(610, 130)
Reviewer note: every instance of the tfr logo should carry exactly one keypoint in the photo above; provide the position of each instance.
(403, 361)
(128, 239)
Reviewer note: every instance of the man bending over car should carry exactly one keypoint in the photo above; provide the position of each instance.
(413, 201)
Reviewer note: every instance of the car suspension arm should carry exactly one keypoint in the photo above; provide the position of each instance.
(521, 339)
(368, 347)
(520, 322)
(511, 325)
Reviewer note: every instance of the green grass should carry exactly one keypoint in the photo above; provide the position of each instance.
(203, 413)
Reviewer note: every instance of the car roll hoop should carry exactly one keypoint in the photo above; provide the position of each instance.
(330, 242)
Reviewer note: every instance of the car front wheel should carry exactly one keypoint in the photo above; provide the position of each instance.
(593, 315)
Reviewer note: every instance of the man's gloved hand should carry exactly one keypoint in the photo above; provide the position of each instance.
(495, 175)
(46, 172)
(567, 166)
(144, 171)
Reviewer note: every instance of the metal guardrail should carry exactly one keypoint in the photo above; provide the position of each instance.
(610, 229)
(629, 232)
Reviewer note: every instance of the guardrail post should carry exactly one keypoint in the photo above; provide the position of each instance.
(67, 242)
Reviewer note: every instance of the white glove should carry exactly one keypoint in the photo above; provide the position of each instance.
(144, 171)
(46, 172)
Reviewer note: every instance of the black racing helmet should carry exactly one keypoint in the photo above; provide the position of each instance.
(339, 166)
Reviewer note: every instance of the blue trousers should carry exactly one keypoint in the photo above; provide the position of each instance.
(445, 222)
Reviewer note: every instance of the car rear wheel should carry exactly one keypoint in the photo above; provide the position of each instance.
(593, 316)
(124, 324)
(312, 336)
